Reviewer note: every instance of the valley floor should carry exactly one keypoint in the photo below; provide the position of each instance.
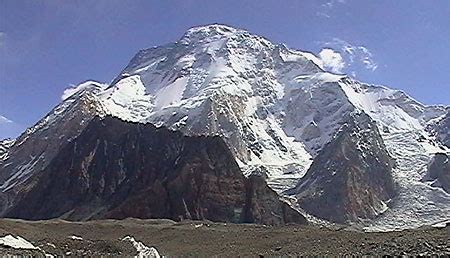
(197, 238)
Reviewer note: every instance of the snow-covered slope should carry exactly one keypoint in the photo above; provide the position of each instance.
(4, 148)
(219, 80)
(403, 123)
(275, 107)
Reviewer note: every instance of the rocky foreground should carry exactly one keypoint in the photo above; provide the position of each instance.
(197, 238)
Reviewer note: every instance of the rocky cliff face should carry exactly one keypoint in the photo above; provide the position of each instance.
(115, 169)
(439, 171)
(351, 178)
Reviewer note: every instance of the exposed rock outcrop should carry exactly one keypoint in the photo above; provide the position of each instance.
(442, 129)
(350, 179)
(4, 148)
(439, 171)
(116, 169)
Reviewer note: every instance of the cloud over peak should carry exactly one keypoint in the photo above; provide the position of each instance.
(77, 88)
(341, 56)
(332, 60)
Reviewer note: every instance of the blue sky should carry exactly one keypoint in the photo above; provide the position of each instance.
(47, 46)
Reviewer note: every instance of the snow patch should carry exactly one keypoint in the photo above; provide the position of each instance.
(170, 95)
(76, 238)
(16, 242)
(143, 250)
(442, 224)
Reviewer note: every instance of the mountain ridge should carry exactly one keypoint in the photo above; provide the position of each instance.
(274, 107)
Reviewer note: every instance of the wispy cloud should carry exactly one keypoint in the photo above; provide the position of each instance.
(326, 7)
(352, 55)
(332, 60)
(359, 54)
(9, 128)
(72, 90)
(77, 88)
(4, 120)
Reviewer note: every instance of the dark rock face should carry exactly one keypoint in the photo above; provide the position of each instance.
(262, 205)
(115, 169)
(350, 179)
(439, 171)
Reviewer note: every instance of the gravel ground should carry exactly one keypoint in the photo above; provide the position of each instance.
(201, 238)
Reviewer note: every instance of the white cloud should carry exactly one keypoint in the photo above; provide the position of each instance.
(76, 88)
(353, 55)
(332, 60)
(70, 91)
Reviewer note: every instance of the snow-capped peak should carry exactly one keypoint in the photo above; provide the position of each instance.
(275, 107)
(227, 81)
(87, 85)
(217, 32)
(209, 31)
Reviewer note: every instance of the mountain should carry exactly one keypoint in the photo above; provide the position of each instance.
(115, 169)
(275, 108)
(351, 177)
